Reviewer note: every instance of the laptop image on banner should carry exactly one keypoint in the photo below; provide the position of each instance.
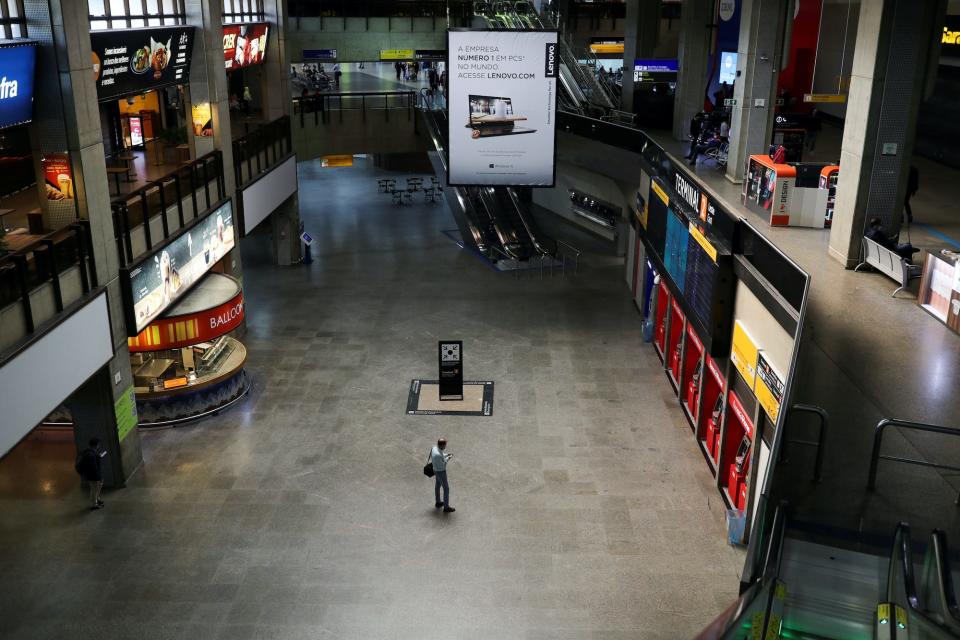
(494, 116)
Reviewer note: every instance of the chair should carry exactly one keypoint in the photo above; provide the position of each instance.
(889, 264)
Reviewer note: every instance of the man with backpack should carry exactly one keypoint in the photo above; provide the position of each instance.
(88, 465)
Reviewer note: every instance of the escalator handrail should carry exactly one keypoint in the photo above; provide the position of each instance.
(901, 557)
(538, 245)
(947, 592)
(498, 225)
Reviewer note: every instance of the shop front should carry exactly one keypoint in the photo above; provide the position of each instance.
(183, 314)
(244, 51)
(791, 194)
(141, 78)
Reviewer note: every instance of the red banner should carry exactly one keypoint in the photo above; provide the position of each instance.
(190, 329)
(244, 44)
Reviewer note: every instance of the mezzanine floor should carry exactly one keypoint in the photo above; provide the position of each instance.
(584, 508)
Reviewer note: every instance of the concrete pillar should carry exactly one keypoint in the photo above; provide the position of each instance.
(759, 55)
(76, 125)
(696, 29)
(890, 66)
(639, 41)
(275, 71)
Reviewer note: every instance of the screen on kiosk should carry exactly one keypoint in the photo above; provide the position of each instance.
(502, 103)
(728, 67)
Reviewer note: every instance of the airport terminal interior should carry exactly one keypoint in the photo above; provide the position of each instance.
(527, 319)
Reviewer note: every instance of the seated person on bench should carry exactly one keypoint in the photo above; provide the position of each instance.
(875, 233)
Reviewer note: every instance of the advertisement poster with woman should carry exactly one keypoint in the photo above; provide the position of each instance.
(502, 104)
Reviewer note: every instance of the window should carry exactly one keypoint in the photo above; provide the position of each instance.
(12, 20)
(243, 11)
(131, 14)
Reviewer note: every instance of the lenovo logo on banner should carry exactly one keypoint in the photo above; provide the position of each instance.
(550, 64)
(688, 192)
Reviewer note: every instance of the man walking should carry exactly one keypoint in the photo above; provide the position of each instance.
(88, 465)
(439, 459)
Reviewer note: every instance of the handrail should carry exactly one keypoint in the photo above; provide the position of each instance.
(901, 559)
(320, 103)
(576, 257)
(272, 140)
(946, 593)
(821, 430)
(875, 456)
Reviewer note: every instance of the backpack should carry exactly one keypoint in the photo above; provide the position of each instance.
(81, 464)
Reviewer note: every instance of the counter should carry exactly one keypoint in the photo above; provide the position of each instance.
(939, 293)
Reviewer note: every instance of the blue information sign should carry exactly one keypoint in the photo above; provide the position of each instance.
(656, 66)
(16, 83)
(319, 54)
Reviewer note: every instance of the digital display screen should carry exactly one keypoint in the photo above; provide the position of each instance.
(162, 278)
(16, 87)
(675, 249)
(728, 67)
(136, 60)
(700, 283)
(656, 221)
(245, 44)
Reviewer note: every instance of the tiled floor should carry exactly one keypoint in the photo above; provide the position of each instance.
(584, 509)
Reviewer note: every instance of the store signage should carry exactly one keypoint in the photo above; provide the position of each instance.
(244, 44)
(137, 60)
(174, 332)
(727, 9)
(744, 353)
(451, 370)
(397, 54)
(202, 117)
(950, 38)
(58, 176)
(319, 54)
(157, 281)
(824, 97)
(502, 104)
(16, 83)
(770, 387)
(136, 131)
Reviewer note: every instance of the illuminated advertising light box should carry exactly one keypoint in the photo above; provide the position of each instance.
(16, 83)
(138, 60)
(245, 45)
(503, 105)
(155, 282)
(397, 54)
(728, 67)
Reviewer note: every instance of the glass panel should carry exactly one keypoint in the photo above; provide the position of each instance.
(137, 22)
(117, 8)
(168, 6)
(96, 9)
(136, 8)
(153, 7)
(98, 25)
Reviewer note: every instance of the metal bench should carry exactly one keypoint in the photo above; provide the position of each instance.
(889, 264)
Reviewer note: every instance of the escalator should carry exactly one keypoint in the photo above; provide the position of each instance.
(802, 590)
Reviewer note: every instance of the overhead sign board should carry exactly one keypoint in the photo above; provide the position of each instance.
(655, 70)
(319, 54)
(244, 45)
(397, 54)
(824, 97)
(503, 105)
(137, 60)
(430, 54)
(154, 283)
(17, 64)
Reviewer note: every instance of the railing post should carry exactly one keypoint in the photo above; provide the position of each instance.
(81, 257)
(221, 179)
(206, 183)
(146, 219)
(54, 273)
(163, 210)
(128, 243)
(193, 188)
(21, 263)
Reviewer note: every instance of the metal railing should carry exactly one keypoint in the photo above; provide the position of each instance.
(324, 104)
(875, 456)
(139, 208)
(263, 148)
(562, 249)
(45, 260)
(818, 443)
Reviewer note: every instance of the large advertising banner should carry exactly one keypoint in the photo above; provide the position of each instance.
(160, 279)
(244, 44)
(137, 60)
(502, 104)
(16, 83)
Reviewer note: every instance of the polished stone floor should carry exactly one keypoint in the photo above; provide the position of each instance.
(584, 508)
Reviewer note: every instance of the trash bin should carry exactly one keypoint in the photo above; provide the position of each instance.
(736, 523)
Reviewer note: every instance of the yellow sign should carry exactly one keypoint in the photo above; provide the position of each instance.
(701, 239)
(770, 387)
(901, 618)
(824, 97)
(883, 613)
(661, 193)
(744, 354)
(125, 412)
(396, 54)
(336, 161)
(607, 48)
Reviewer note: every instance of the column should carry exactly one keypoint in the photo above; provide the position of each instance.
(76, 126)
(759, 56)
(891, 63)
(696, 29)
(639, 41)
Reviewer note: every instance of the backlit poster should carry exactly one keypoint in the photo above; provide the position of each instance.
(136, 131)
(17, 62)
(157, 281)
(58, 176)
(502, 104)
(137, 60)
